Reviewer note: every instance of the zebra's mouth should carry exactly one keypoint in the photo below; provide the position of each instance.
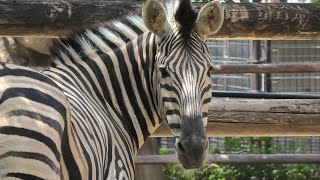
(192, 152)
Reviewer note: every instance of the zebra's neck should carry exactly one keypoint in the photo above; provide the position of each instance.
(135, 63)
(120, 78)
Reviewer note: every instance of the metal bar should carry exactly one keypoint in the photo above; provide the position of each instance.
(238, 159)
(263, 95)
(265, 68)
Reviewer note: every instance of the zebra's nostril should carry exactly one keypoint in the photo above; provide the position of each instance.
(180, 147)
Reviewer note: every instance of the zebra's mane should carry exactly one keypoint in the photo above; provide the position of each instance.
(107, 37)
(181, 13)
(185, 15)
(113, 34)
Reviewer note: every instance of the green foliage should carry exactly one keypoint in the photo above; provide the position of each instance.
(210, 172)
(248, 145)
(273, 171)
(245, 172)
(164, 151)
(315, 1)
(248, 171)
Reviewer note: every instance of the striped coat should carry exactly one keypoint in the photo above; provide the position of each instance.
(107, 90)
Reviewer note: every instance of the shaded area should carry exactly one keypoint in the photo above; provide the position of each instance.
(24, 51)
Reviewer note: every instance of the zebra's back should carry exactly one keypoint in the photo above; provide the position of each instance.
(39, 138)
(102, 147)
(33, 114)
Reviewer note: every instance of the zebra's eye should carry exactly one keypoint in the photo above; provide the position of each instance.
(164, 71)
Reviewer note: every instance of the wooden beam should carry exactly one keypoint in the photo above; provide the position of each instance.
(242, 21)
(265, 68)
(234, 158)
(143, 171)
(262, 117)
(48, 18)
(270, 21)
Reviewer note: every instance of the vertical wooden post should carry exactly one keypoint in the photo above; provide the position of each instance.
(147, 172)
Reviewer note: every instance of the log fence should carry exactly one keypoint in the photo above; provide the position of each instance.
(48, 18)
(227, 117)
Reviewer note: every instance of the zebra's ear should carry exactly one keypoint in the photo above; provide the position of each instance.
(154, 17)
(210, 18)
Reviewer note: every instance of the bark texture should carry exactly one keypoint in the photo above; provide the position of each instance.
(270, 21)
(258, 117)
(242, 20)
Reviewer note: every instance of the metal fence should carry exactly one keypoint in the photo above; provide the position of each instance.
(286, 52)
(244, 52)
(231, 52)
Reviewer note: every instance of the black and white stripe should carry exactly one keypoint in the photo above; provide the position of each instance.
(33, 116)
(185, 78)
(105, 75)
(108, 89)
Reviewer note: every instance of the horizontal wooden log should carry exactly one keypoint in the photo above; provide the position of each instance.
(270, 21)
(52, 18)
(265, 68)
(262, 117)
(242, 21)
(238, 159)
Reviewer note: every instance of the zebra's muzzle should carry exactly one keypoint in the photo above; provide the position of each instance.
(192, 152)
(192, 145)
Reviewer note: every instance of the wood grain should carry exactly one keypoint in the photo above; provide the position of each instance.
(270, 21)
(260, 117)
(242, 20)
(53, 18)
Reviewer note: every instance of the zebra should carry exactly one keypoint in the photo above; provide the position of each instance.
(108, 89)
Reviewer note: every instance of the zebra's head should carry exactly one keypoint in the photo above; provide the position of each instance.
(182, 71)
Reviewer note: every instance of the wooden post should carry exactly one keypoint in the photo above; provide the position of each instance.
(242, 21)
(252, 117)
(144, 172)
